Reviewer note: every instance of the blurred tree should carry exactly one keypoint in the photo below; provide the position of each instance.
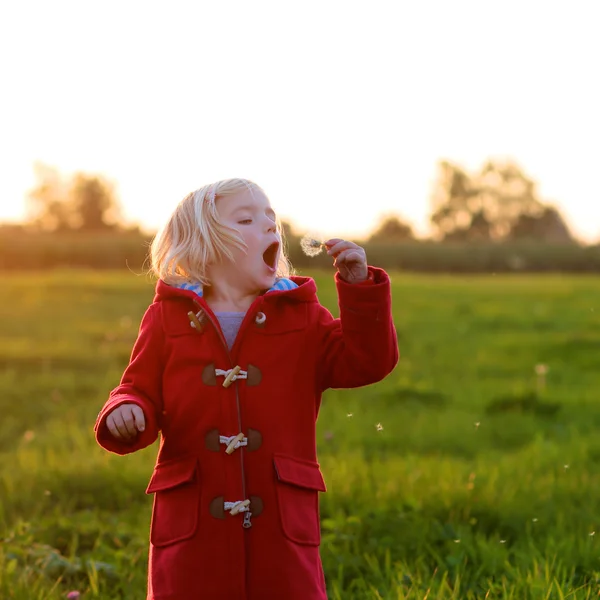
(479, 229)
(549, 226)
(451, 201)
(46, 203)
(391, 229)
(92, 200)
(85, 202)
(288, 232)
(500, 202)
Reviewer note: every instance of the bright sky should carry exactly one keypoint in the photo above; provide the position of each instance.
(340, 110)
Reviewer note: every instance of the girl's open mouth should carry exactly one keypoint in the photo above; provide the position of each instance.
(270, 256)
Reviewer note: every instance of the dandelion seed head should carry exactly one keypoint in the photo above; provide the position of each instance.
(311, 246)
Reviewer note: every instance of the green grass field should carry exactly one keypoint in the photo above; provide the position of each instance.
(481, 480)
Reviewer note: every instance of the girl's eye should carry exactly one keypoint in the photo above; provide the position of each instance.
(245, 221)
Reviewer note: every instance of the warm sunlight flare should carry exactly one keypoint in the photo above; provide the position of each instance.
(339, 111)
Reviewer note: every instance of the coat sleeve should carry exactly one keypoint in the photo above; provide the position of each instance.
(140, 384)
(360, 347)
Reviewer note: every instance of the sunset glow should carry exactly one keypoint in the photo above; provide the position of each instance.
(339, 110)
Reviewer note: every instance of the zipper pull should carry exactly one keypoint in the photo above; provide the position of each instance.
(246, 524)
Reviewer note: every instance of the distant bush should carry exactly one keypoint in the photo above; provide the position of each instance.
(20, 249)
(486, 257)
(24, 250)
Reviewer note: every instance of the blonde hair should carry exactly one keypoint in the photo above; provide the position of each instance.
(193, 238)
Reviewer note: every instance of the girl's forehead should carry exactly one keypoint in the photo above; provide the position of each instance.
(245, 198)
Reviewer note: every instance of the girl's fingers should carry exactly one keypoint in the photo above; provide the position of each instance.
(340, 247)
(120, 425)
(352, 265)
(125, 421)
(111, 427)
(349, 256)
(128, 420)
(138, 416)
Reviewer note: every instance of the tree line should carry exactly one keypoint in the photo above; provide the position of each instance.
(498, 203)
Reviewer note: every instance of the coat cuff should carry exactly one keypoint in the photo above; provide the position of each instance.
(369, 301)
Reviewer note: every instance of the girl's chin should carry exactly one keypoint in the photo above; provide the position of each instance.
(261, 276)
(268, 278)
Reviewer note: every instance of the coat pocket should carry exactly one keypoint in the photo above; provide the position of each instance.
(176, 488)
(298, 487)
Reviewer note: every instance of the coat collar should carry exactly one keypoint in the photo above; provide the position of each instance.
(295, 288)
(280, 285)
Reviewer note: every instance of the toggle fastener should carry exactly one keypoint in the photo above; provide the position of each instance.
(231, 376)
(231, 446)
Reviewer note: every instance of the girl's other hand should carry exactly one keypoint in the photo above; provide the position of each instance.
(125, 421)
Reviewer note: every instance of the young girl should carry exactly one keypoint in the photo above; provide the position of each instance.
(230, 363)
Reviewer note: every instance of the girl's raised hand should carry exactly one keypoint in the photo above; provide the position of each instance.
(125, 421)
(350, 260)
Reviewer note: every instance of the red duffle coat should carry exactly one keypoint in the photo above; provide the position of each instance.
(290, 349)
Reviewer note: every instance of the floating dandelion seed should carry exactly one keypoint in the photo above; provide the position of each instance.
(477, 425)
(311, 246)
(349, 415)
(457, 541)
(593, 533)
(503, 541)
(541, 371)
(379, 427)
(534, 520)
(566, 467)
